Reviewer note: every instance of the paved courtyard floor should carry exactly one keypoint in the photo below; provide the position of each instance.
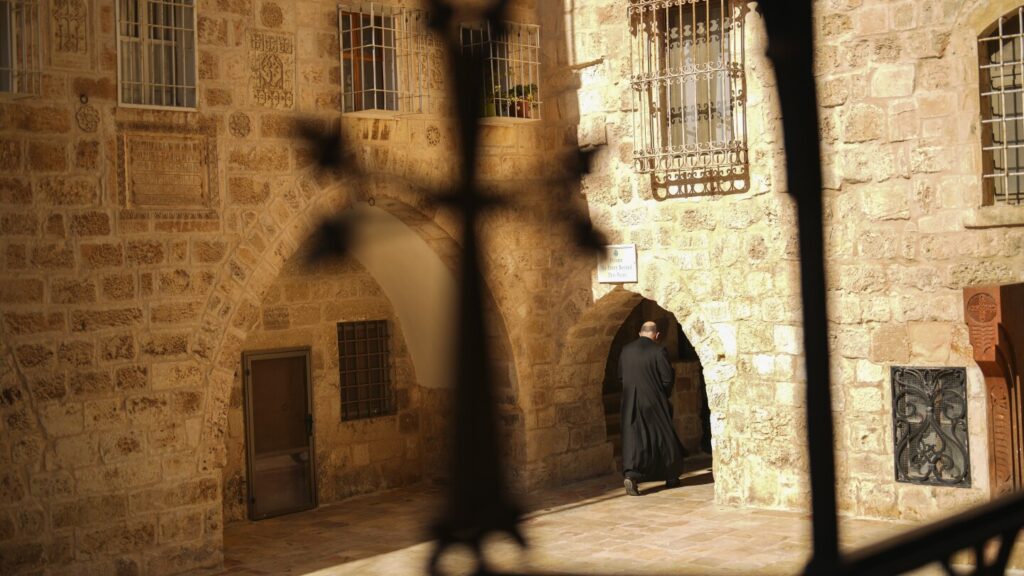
(588, 528)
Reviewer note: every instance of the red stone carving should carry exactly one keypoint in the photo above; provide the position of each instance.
(995, 322)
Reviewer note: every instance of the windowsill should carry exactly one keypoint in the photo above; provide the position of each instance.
(505, 120)
(994, 217)
(375, 113)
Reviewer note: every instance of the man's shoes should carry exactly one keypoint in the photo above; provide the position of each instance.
(672, 483)
(631, 487)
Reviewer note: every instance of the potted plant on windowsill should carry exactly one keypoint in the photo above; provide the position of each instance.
(521, 98)
(495, 103)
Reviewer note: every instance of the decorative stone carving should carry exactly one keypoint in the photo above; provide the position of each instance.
(271, 15)
(69, 33)
(272, 70)
(433, 136)
(168, 168)
(88, 118)
(239, 124)
(995, 318)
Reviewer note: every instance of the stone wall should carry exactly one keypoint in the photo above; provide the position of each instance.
(303, 308)
(125, 313)
(905, 234)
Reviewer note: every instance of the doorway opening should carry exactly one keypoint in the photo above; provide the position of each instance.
(279, 431)
(691, 414)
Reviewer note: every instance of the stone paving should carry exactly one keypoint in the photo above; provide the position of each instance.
(588, 528)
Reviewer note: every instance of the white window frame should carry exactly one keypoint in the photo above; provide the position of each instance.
(145, 68)
(512, 82)
(22, 46)
(406, 81)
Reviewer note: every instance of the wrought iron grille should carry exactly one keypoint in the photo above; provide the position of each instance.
(19, 46)
(363, 365)
(930, 423)
(688, 93)
(385, 61)
(511, 74)
(156, 52)
(1001, 53)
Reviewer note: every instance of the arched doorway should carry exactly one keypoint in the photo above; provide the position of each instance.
(691, 416)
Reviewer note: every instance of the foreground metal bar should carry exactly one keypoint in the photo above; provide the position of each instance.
(937, 542)
(791, 49)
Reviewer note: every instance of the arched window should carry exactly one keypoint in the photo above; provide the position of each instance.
(1001, 52)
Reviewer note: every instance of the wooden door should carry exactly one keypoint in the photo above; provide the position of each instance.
(279, 432)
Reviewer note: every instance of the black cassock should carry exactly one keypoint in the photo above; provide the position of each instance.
(650, 447)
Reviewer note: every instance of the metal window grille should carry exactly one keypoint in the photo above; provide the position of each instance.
(20, 61)
(156, 53)
(511, 68)
(688, 89)
(384, 59)
(930, 423)
(1001, 55)
(363, 363)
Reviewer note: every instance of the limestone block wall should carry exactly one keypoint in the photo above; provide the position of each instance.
(723, 265)
(303, 308)
(123, 322)
(906, 233)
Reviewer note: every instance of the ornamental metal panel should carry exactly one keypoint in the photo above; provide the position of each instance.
(930, 426)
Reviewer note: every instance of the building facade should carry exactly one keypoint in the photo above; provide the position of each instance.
(159, 204)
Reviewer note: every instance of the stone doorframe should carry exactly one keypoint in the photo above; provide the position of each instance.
(576, 398)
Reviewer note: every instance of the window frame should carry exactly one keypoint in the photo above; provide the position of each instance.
(993, 35)
(28, 41)
(408, 53)
(386, 386)
(660, 79)
(521, 102)
(144, 42)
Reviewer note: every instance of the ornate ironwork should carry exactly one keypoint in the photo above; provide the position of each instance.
(689, 95)
(930, 422)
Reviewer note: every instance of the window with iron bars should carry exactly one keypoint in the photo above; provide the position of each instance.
(385, 59)
(19, 46)
(511, 60)
(688, 93)
(1001, 52)
(156, 53)
(364, 367)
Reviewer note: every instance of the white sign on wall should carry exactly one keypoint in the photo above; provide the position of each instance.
(620, 265)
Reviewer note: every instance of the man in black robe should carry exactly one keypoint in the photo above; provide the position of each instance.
(650, 447)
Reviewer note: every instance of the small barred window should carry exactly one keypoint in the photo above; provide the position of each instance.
(1001, 52)
(385, 59)
(19, 46)
(511, 59)
(688, 94)
(156, 53)
(365, 370)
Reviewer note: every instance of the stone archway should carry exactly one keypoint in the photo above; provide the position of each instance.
(576, 399)
(252, 265)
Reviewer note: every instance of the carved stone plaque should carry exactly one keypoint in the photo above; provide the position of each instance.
(995, 324)
(272, 69)
(167, 171)
(69, 34)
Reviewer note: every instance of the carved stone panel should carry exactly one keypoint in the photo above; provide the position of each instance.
(272, 69)
(166, 169)
(995, 322)
(70, 36)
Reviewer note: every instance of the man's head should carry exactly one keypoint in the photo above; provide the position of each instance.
(649, 330)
